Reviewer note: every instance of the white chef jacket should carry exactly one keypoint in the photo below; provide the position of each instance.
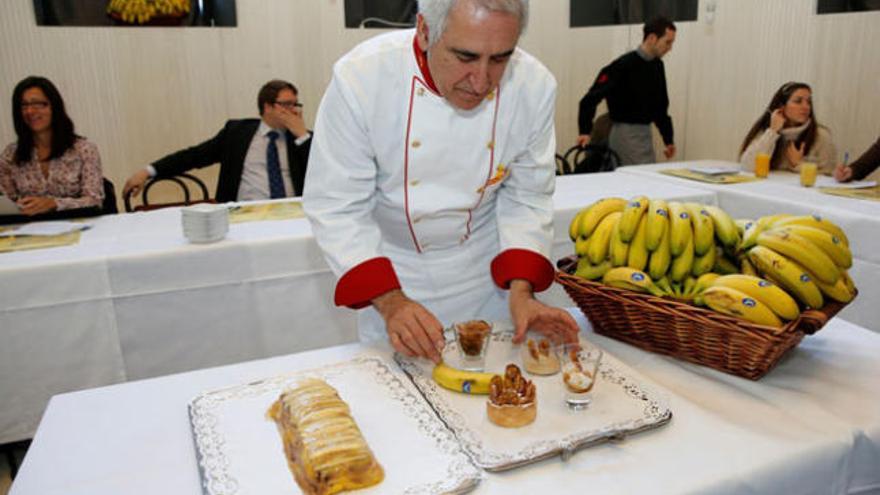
(405, 190)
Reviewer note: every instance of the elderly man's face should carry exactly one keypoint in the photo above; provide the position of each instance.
(470, 57)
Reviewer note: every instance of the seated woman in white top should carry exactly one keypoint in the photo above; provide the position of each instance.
(789, 133)
(49, 168)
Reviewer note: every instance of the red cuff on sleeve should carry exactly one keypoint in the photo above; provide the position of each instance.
(521, 263)
(360, 285)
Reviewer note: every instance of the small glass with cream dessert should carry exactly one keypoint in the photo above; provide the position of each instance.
(579, 364)
(538, 355)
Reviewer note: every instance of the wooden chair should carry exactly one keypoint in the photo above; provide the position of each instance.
(184, 181)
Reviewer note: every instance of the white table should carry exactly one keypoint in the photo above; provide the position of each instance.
(810, 426)
(781, 192)
(135, 300)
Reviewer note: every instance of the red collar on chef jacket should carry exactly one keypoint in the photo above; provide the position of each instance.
(422, 60)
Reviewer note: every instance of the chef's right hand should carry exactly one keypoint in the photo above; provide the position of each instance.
(412, 329)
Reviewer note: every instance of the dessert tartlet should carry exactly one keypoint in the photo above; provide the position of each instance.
(512, 399)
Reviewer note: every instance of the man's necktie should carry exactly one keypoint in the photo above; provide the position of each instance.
(273, 167)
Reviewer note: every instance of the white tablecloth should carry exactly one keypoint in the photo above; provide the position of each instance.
(811, 426)
(135, 300)
(781, 192)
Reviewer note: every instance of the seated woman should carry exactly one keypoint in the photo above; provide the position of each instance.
(49, 168)
(789, 133)
(861, 168)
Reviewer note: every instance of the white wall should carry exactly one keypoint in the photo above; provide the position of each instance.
(140, 93)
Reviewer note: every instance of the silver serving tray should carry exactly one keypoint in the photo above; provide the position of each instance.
(621, 407)
(240, 451)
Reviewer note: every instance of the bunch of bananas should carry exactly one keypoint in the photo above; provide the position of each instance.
(763, 271)
(141, 11)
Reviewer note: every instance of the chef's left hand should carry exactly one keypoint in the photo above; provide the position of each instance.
(529, 313)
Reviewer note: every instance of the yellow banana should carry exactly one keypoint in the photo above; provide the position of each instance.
(704, 229)
(664, 285)
(766, 221)
(848, 281)
(661, 258)
(680, 228)
(747, 268)
(598, 247)
(687, 289)
(658, 223)
(723, 264)
(589, 271)
(782, 304)
(468, 382)
(596, 212)
(725, 228)
(575, 224)
(750, 235)
(736, 303)
(581, 245)
(814, 221)
(638, 254)
(803, 251)
(704, 281)
(787, 274)
(681, 264)
(742, 224)
(619, 250)
(632, 216)
(828, 242)
(703, 264)
(839, 292)
(632, 279)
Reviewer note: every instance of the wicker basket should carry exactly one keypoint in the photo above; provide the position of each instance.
(687, 332)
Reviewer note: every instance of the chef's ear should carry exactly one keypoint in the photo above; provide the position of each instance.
(422, 33)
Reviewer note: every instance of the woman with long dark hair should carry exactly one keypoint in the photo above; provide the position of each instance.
(789, 132)
(49, 168)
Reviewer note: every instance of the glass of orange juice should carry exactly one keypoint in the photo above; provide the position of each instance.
(808, 173)
(762, 165)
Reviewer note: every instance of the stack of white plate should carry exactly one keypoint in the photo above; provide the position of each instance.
(205, 222)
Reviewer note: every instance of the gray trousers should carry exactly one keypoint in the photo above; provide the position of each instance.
(632, 142)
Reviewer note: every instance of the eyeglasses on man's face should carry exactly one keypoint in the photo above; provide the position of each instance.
(38, 104)
(290, 105)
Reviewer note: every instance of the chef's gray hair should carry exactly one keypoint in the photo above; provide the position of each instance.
(435, 13)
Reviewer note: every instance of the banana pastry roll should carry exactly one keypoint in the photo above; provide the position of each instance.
(324, 446)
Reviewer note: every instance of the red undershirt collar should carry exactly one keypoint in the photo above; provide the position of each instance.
(422, 61)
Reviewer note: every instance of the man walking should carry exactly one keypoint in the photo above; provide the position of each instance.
(634, 87)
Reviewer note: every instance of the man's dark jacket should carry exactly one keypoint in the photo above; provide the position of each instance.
(229, 147)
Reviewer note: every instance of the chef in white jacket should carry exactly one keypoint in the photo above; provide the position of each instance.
(430, 181)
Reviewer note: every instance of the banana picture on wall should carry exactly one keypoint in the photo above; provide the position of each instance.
(143, 11)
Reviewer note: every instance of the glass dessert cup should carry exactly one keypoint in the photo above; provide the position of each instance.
(579, 364)
(472, 338)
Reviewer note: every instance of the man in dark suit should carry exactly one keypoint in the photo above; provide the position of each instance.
(259, 158)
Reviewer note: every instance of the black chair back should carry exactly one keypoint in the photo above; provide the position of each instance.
(108, 207)
(562, 165)
(592, 158)
(184, 181)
